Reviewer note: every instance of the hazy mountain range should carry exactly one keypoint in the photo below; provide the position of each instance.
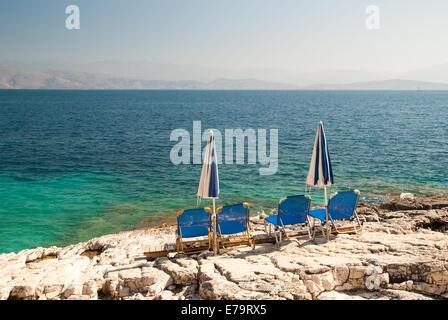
(168, 71)
(11, 78)
(14, 78)
(394, 84)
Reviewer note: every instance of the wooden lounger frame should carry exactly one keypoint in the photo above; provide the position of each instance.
(192, 246)
(241, 239)
(281, 229)
(342, 227)
(258, 239)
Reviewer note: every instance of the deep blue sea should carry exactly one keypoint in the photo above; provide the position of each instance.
(80, 164)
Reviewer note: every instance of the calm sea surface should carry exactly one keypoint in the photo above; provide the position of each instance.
(79, 164)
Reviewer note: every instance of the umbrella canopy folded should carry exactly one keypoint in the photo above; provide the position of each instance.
(321, 171)
(209, 182)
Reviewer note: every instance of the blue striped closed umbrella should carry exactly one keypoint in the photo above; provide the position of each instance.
(321, 172)
(209, 182)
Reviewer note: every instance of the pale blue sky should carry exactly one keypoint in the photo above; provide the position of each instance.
(300, 35)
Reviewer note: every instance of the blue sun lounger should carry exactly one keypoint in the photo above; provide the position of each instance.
(233, 225)
(341, 206)
(192, 223)
(292, 210)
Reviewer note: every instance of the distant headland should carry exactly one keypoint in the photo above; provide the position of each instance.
(13, 78)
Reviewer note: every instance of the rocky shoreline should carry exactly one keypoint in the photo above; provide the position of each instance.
(401, 253)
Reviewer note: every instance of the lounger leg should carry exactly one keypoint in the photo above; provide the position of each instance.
(275, 234)
(334, 226)
(282, 231)
(309, 230)
(322, 229)
(218, 239)
(249, 238)
(357, 225)
(359, 222)
(308, 223)
(314, 229)
(209, 241)
(222, 243)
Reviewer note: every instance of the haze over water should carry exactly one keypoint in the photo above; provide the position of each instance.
(79, 164)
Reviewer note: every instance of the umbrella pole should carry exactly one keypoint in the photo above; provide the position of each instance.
(214, 227)
(325, 192)
(326, 213)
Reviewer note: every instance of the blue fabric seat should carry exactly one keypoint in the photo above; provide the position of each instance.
(318, 214)
(232, 227)
(341, 205)
(272, 220)
(192, 232)
(292, 210)
(231, 220)
(192, 223)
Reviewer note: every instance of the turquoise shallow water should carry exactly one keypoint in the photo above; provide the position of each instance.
(79, 164)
